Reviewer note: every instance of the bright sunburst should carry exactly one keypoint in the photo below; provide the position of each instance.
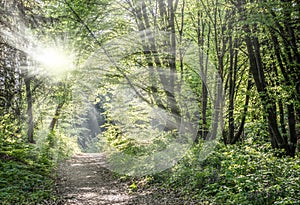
(54, 60)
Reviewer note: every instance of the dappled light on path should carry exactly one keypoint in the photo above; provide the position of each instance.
(85, 180)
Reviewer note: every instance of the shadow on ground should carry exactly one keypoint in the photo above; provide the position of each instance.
(85, 180)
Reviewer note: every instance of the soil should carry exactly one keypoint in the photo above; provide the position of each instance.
(85, 180)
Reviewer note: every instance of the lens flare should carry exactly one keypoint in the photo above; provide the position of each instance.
(54, 60)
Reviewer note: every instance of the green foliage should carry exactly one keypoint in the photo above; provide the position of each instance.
(135, 147)
(8, 129)
(25, 184)
(26, 169)
(249, 173)
(133, 186)
(244, 174)
(25, 176)
(55, 145)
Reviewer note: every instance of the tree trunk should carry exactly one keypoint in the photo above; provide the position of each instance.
(292, 129)
(30, 129)
(203, 62)
(238, 135)
(269, 105)
(231, 92)
(56, 116)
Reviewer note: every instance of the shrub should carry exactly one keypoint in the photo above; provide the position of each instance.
(242, 174)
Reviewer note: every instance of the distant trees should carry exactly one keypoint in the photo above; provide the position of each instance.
(251, 43)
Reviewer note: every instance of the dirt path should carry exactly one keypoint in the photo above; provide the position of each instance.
(84, 180)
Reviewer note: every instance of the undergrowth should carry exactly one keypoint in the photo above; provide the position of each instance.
(249, 173)
(25, 177)
(26, 170)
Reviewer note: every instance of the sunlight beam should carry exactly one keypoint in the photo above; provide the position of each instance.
(54, 60)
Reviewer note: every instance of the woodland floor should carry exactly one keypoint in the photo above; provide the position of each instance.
(84, 180)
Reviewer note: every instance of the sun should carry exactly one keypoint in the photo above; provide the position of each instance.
(54, 60)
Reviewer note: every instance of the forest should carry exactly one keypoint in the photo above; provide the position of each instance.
(190, 101)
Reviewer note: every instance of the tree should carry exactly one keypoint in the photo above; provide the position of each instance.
(252, 28)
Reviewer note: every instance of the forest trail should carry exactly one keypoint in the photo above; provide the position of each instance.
(84, 180)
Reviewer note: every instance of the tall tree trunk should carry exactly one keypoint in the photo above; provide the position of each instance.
(172, 64)
(292, 129)
(203, 62)
(269, 105)
(231, 91)
(30, 129)
(238, 135)
(290, 80)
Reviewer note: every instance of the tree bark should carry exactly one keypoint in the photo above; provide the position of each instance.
(56, 116)
(238, 135)
(30, 129)
(292, 129)
(269, 105)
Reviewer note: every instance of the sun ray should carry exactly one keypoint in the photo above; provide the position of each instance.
(54, 61)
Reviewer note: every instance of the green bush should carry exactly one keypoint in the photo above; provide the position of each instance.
(23, 184)
(242, 174)
(26, 169)
(25, 178)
